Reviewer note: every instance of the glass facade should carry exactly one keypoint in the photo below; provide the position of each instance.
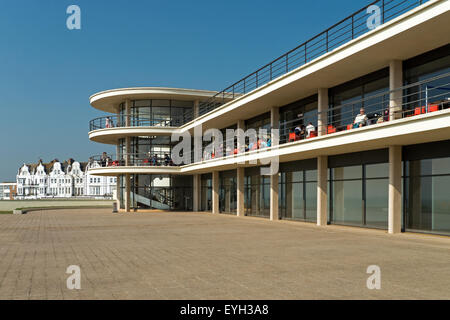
(424, 67)
(297, 195)
(162, 192)
(346, 99)
(256, 193)
(172, 113)
(227, 192)
(297, 114)
(426, 188)
(206, 192)
(359, 189)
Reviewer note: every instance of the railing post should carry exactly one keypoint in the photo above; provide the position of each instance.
(270, 72)
(257, 79)
(383, 10)
(287, 63)
(306, 60)
(327, 40)
(353, 27)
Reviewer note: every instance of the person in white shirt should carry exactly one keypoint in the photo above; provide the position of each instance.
(361, 119)
(309, 128)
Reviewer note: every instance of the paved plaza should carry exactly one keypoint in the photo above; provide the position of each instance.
(159, 255)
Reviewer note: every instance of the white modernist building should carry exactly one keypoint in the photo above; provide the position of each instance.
(63, 180)
(8, 190)
(362, 111)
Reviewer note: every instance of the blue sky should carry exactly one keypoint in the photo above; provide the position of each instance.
(48, 72)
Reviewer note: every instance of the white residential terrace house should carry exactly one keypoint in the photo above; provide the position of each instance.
(378, 155)
(69, 179)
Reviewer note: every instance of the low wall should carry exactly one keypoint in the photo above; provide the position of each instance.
(10, 205)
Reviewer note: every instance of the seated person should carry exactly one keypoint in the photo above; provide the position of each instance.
(302, 132)
(361, 119)
(154, 160)
(310, 128)
(167, 160)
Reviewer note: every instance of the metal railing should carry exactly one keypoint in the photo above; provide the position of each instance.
(149, 159)
(344, 31)
(422, 97)
(120, 121)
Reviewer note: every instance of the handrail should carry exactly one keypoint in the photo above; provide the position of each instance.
(107, 122)
(422, 97)
(151, 158)
(324, 40)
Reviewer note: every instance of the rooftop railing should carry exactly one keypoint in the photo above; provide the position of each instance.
(344, 31)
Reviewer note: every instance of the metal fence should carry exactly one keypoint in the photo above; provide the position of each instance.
(344, 31)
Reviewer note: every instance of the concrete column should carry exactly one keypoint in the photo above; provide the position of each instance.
(127, 112)
(275, 122)
(118, 192)
(196, 192)
(127, 193)
(323, 103)
(395, 189)
(196, 108)
(274, 197)
(240, 126)
(127, 151)
(322, 191)
(395, 82)
(240, 192)
(215, 192)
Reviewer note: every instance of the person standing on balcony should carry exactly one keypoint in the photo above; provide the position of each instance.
(104, 159)
(361, 119)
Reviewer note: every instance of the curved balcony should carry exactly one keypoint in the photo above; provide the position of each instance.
(108, 122)
(109, 129)
(155, 162)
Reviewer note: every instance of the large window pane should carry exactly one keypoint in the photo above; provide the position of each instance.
(347, 202)
(377, 201)
(311, 201)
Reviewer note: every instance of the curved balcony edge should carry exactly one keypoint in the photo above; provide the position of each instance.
(121, 170)
(112, 135)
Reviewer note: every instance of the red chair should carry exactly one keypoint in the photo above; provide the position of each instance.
(419, 110)
(349, 127)
(331, 129)
(291, 136)
(433, 108)
(236, 151)
(313, 134)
